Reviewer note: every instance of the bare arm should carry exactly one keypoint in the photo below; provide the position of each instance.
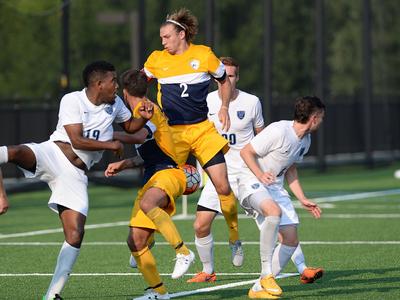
(223, 114)
(116, 167)
(134, 138)
(295, 186)
(3, 196)
(250, 158)
(145, 111)
(258, 129)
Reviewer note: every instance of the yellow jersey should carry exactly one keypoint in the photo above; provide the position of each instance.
(183, 82)
(158, 150)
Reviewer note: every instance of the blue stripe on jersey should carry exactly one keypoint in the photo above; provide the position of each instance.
(185, 103)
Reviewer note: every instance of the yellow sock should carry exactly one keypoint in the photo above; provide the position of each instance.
(229, 210)
(147, 266)
(167, 228)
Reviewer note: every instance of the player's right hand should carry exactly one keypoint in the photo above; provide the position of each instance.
(118, 148)
(114, 168)
(3, 203)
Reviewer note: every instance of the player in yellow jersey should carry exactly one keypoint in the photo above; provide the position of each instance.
(184, 72)
(163, 183)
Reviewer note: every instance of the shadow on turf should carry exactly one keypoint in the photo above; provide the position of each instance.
(336, 283)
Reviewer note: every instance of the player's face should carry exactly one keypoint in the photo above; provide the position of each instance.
(231, 75)
(171, 39)
(316, 120)
(109, 87)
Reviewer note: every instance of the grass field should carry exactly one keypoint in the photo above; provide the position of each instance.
(357, 242)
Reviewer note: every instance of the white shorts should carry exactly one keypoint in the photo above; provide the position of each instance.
(252, 192)
(209, 197)
(68, 183)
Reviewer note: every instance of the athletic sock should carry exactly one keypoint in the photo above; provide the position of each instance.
(205, 249)
(147, 266)
(280, 258)
(167, 228)
(268, 237)
(298, 259)
(65, 261)
(3, 155)
(229, 210)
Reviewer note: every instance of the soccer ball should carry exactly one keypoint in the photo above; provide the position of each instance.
(192, 179)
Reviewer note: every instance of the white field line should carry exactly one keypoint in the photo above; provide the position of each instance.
(283, 275)
(356, 196)
(224, 286)
(250, 243)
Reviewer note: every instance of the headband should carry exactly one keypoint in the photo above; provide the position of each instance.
(176, 23)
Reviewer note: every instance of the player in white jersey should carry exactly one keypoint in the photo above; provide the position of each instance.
(83, 132)
(246, 118)
(270, 157)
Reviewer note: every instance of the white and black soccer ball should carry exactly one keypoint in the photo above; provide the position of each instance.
(192, 179)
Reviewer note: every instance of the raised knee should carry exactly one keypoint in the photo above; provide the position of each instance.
(201, 229)
(75, 237)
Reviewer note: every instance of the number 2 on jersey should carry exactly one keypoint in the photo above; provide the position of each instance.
(184, 87)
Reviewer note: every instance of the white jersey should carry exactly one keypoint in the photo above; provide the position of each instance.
(245, 114)
(277, 147)
(97, 120)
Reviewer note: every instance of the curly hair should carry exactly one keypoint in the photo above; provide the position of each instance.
(183, 19)
(305, 106)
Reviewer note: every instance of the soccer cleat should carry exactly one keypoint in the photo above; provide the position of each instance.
(203, 277)
(150, 294)
(309, 275)
(269, 284)
(257, 292)
(237, 253)
(182, 264)
(132, 261)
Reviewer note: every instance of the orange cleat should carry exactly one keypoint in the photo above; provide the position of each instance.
(311, 274)
(261, 295)
(203, 277)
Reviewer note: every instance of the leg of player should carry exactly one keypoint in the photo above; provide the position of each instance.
(216, 170)
(152, 203)
(204, 245)
(308, 274)
(268, 237)
(283, 251)
(137, 242)
(73, 224)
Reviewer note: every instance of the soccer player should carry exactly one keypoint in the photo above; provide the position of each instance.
(163, 182)
(184, 71)
(246, 118)
(84, 130)
(270, 157)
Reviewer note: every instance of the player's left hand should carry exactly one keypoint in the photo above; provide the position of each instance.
(223, 116)
(146, 109)
(114, 168)
(312, 207)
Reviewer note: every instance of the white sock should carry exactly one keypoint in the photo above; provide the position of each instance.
(205, 249)
(280, 258)
(3, 155)
(299, 260)
(268, 237)
(65, 262)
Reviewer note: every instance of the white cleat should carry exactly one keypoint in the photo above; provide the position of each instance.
(182, 264)
(237, 253)
(150, 294)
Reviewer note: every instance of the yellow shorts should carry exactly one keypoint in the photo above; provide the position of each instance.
(201, 139)
(172, 182)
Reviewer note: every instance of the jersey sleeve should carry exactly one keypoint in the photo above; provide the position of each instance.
(150, 64)
(215, 67)
(70, 112)
(123, 113)
(265, 141)
(258, 120)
